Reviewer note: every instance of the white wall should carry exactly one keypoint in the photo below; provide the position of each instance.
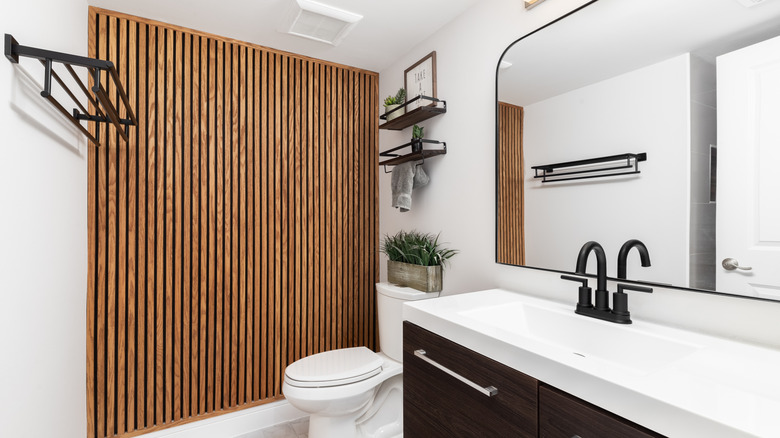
(460, 199)
(646, 110)
(43, 239)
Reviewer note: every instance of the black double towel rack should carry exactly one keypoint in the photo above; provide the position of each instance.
(612, 165)
(105, 110)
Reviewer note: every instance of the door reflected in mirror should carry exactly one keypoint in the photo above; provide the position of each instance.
(626, 77)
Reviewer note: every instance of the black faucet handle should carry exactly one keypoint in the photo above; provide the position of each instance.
(620, 302)
(583, 280)
(584, 298)
(622, 287)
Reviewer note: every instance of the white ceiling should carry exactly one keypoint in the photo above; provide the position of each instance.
(389, 29)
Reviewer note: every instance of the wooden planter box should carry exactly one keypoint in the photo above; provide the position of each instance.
(423, 278)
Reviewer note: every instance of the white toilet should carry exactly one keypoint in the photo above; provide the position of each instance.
(354, 392)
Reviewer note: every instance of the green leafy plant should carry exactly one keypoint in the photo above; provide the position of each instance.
(417, 132)
(415, 248)
(398, 99)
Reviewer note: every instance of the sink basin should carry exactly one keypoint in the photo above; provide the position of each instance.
(629, 347)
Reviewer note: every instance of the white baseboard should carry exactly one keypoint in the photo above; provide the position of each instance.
(234, 423)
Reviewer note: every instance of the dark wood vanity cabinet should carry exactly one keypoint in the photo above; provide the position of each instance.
(440, 404)
(565, 416)
(437, 404)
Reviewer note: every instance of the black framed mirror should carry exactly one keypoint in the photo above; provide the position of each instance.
(616, 77)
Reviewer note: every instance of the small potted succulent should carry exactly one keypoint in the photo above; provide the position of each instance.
(415, 260)
(417, 136)
(393, 102)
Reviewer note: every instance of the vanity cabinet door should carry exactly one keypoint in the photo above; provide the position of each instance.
(562, 415)
(437, 404)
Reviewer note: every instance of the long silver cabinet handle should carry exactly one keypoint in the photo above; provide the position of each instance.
(489, 391)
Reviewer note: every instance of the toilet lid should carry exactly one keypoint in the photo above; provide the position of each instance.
(333, 368)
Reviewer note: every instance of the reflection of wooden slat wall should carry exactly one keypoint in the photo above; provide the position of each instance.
(233, 234)
(510, 245)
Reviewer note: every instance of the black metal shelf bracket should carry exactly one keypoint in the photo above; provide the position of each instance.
(418, 155)
(106, 111)
(433, 102)
(613, 165)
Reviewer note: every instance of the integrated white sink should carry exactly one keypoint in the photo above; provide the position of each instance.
(630, 347)
(677, 382)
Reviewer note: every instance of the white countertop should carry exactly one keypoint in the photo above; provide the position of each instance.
(711, 387)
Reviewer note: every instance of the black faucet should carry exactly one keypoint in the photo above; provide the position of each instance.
(620, 313)
(602, 295)
(644, 256)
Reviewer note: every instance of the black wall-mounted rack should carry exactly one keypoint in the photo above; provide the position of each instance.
(417, 115)
(420, 155)
(108, 114)
(557, 172)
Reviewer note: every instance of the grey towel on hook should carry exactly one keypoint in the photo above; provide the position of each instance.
(406, 176)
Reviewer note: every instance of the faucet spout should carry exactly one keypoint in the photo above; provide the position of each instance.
(644, 256)
(601, 263)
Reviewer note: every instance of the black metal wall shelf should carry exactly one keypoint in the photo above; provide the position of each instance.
(420, 155)
(108, 114)
(416, 115)
(552, 173)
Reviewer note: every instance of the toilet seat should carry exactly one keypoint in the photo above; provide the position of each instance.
(334, 368)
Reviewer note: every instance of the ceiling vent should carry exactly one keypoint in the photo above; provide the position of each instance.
(320, 22)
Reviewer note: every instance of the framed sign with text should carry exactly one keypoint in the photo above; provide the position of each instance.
(420, 79)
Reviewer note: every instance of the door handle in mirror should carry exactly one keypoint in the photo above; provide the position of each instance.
(730, 264)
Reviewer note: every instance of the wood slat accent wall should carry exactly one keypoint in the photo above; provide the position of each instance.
(510, 243)
(236, 231)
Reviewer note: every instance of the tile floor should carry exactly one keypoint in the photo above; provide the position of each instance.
(294, 429)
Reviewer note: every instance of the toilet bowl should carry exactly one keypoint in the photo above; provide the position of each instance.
(355, 392)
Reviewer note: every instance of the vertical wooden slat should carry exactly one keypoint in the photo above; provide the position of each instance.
(254, 223)
(205, 100)
(186, 147)
(248, 227)
(242, 238)
(151, 212)
(196, 327)
(93, 264)
(235, 231)
(116, 53)
(350, 195)
(212, 260)
(309, 253)
(297, 206)
(131, 83)
(168, 209)
(333, 212)
(111, 238)
(285, 221)
(266, 260)
(220, 248)
(141, 112)
(160, 228)
(102, 228)
(175, 269)
(341, 206)
(279, 249)
(316, 159)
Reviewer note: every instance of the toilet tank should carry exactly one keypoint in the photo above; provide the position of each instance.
(390, 299)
